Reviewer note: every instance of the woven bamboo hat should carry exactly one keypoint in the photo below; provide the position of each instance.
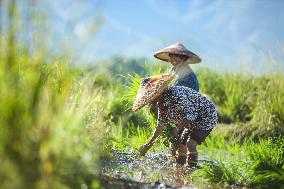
(150, 89)
(179, 49)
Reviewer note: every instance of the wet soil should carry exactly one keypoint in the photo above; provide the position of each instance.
(155, 170)
(109, 182)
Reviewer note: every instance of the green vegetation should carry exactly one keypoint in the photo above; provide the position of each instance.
(50, 108)
(59, 122)
(246, 164)
(246, 152)
(253, 103)
(50, 122)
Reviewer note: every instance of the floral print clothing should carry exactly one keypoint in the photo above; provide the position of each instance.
(178, 102)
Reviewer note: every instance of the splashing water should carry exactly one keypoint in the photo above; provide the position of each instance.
(158, 169)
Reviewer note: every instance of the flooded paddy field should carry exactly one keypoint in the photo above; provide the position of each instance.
(155, 170)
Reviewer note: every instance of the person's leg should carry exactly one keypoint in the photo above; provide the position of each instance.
(175, 139)
(192, 152)
(197, 137)
(181, 157)
(182, 150)
(174, 136)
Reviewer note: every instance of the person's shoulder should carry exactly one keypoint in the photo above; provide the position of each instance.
(191, 75)
(182, 89)
(188, 90)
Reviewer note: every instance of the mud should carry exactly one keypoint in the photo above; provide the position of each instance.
(155, 170)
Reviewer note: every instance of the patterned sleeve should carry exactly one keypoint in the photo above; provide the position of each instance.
(161, 119)
(188, 106)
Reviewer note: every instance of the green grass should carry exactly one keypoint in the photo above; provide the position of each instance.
(50, 108)
(255, 103)
(51, 124)
(242, 154)
(57, 122)
(248, 164)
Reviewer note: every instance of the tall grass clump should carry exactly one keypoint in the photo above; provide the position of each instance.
(254, 103)
(269, 113)
(248, 164)
(51, 122)
(233, 94)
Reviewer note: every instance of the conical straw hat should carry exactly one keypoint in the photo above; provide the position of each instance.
(179, 49)
(150, 89)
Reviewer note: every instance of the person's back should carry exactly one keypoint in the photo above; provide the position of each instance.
(178, 102)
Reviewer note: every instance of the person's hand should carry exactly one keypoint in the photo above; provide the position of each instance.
(143, 149)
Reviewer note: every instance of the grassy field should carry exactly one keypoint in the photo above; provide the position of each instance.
(50, 120)
(53, 117)
(58, 121)
(247, 144)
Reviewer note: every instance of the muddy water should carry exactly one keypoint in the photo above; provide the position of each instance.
(155, 170)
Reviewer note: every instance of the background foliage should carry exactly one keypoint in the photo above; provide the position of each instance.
(59, 121)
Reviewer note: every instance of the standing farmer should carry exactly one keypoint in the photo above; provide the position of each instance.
(180, 58)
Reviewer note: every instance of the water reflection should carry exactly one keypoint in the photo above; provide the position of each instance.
(159, 168)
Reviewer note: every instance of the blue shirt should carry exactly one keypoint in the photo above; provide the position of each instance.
(189, 81)
(185, 77)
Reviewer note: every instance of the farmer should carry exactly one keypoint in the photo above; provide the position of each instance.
(180, 58)
(177, 105)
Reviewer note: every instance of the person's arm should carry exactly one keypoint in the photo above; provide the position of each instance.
(158, 130)
(157, 133)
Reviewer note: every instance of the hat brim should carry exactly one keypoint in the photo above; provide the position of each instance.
(152, 93)
(164, 55)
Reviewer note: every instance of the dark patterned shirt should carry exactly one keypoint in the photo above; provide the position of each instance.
(178, 103)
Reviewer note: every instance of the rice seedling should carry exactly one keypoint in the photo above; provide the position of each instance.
(247, 164)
